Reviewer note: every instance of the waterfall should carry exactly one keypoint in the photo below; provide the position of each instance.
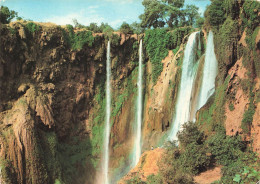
(137, 144)
(107, 125)
(209, 72)
(184, 100)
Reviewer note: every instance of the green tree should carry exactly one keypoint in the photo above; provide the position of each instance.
(126, 28)
(94, 27)
(105, 27)
(6, 15)
(199, 22)
(158, 13)
(137, 28)
(215, 13)
(192, 14)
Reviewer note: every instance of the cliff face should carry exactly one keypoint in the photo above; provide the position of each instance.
(52, 104)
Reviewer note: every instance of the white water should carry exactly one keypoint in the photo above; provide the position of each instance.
(184, 101)
(209, 72)
(107, 125)
(137, 144)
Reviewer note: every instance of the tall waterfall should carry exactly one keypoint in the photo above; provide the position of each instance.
(209, 72)
(137, 144)
(184, 100)
(107, 125)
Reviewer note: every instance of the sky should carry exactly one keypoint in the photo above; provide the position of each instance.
(113, 12)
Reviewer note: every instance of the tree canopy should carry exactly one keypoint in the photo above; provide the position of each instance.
(6, 15)
(158, 13)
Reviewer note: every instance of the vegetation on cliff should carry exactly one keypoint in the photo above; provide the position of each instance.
(65, 67)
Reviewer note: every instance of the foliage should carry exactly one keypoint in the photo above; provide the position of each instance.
(79, 39)
(249, 175)
(115, 40)
(154, 179)
(95, 28)
(195, 159)
(231, 107)
(137, 28)
(6, 15)
(159, 13)
(215, 13)
(175, 37)
(135, 180)
(190, 134)
(125, 28)
(156, 46)
(199, 22)
(225, 149)
(12, 30)
(250, 14)
(32, 27)
(248, 115)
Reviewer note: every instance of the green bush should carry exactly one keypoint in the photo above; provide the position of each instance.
(115, 40)
(79, 39)
(250, 11)
(215, 13)
(190, 134)
(32, 27)
(225, 149)
(231, 107)
(154, 179)
(194, 159)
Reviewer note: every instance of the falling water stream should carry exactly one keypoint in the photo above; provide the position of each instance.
(137, 144)
(209, 72)
(107, 125)
(184, 101)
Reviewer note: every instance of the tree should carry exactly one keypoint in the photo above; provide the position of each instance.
(199, 22)
(6, 15)
(126, 28)
(215, 13)
(158, 13)
(137, 28)
(105, 27)
(192, 14)
(94, 27)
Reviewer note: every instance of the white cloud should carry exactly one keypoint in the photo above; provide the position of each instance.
(2, 1)
(84, 16)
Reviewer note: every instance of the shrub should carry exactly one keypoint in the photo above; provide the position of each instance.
(194, 159)
(115, 40)
(190, 134)
(126, 28)
(231, 107)
(225, 149)
(154, 179)
(250, 14)
(32, 27)
(79, 39)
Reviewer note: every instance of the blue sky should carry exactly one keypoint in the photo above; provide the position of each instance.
(62, 12)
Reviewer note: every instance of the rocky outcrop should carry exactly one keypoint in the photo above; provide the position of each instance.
(48, 97)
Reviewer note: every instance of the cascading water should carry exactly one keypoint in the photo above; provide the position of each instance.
(184, 101)
(209, 72)
(137, 144)
(107, 125)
